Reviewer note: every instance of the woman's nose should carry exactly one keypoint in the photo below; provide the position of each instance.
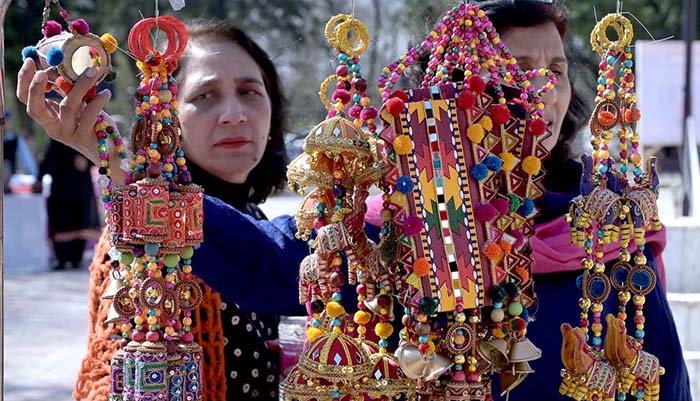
(232, 111)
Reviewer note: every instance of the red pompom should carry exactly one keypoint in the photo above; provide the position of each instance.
(476, 84)
(537, 127)
(395, 106)
(80, 26)
(343, 95)
(499, 114)
(52, 28)
(466, 100)
(369, 113)
(400, 94)
(502, 205)
(485, 212)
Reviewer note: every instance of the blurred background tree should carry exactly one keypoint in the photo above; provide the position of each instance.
(292, 33)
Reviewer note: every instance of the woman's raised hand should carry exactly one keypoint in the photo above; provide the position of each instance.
(70, 121)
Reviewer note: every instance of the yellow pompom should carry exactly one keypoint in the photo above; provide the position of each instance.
(313, 333)
(362, 317)
(403, 145)
(531, 165)
(110, 42)
(475, 133)
(334, 309)
(486, 123)
(383, 330)
(498, 333)
(508, 161)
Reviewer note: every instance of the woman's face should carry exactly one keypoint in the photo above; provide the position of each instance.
(225, 110)
(540, 46)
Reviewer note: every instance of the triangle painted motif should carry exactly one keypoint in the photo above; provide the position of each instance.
(509, 141)
(500, 275)
(503, 222)
(490, 141)
(481, 153)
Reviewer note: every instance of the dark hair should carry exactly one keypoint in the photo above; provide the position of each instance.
(270, 174)
(506, 14)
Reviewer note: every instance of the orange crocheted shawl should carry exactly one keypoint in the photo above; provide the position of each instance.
(103, 339)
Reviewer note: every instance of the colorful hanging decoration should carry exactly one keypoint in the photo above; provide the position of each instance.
(465, 168)
(154, 220)
(459, 164)
(613, 209)
(341, 162)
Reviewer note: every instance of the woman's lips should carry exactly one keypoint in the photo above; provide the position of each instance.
(233, 143)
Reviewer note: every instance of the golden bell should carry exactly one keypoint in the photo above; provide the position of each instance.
(513, 376)
(524, 351)
(114, 286)
(418, 366)
(495, 352)
(112, 315)
(373, 305)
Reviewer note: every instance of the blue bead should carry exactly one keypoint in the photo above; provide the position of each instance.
(383, 343)
(601, 80)
(639, 394)
(639, 333)
(106, 198)
(355, 68)
(600, 233)
(407, 311)
(335, 394)
(423, 339)
(343, 57)
(154, 146)
(152, 312)
(187, 261)
(139, 117)
(151, 249)
(336, 296)
(588, 243)
(597, 341)
(356, 98)
(611, 60)
(621, 396)
(460, 332)
(101, 141)
(629, 63)
(164, 86)
(623, 168)
(146, 98)
(54, 57)
(637, 171)
(337, 321)
(603, 168)
(457, 367)
(497, 305)
(316, 323)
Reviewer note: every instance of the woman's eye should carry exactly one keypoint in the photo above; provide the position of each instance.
(251, 92)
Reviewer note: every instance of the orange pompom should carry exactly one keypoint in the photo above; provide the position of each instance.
(486, 122)
(606, 118)
(395, 106)
(505, 245)
(421, 267)
(531, 165)
(402, 144)
(628, 115)
(63, 84)
(523, 274)
(492, 251)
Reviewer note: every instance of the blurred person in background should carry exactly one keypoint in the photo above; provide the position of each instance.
(17, 156)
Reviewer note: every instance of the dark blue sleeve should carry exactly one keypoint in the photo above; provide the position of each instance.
(253, 263)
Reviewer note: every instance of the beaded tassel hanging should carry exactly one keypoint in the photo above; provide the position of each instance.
(610, 209)
(465, 165)
(155, 221)
(340, 161)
